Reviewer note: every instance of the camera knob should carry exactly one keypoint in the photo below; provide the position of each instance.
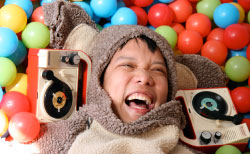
(217, 137)
(205, 137)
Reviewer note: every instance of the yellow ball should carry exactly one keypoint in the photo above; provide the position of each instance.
(4, 123)
(19, 84)
(241, 11)
(13, 17)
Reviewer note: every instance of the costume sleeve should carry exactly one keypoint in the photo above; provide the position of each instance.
(54, 138)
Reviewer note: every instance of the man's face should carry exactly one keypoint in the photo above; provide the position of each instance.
(136, 80)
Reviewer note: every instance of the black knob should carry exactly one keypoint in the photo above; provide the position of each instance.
(48, 74)
(72, 59)
(205, 137)
(217, 137)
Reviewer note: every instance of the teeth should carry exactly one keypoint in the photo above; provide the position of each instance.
(141, 97)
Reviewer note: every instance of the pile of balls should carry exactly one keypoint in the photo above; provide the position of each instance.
(216, 29)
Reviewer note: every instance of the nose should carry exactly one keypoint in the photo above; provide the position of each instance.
(143, 77)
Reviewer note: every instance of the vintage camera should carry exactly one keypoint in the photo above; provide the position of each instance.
(212, 120)
(57, 82)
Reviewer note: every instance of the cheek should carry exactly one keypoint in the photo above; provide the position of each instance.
(162, 89)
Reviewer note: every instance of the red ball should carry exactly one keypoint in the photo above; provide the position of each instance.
(142, 17)
(200, 23)
(189, 42)
(248, 52)
(178, 28)
(236, 36)
(216, 34)
(128, 3)
(142, 3)
(226, 1)
(160, 14)
(37, 15)
(215, 51)
(14, 102)
(24, 127)
(241, 99)
(249, 81)
(182, 10)
(245, 4)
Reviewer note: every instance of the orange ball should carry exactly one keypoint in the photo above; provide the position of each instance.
(178, 28)
(216, 34)
(182, 10)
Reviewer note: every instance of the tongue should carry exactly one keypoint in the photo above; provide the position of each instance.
(134, 105)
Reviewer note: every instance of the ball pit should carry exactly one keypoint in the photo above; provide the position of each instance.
(241, 99)
(228, 149)
(173, 14)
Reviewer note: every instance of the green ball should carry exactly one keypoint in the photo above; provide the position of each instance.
(238, 68)
(36, 35)
(7, 71)
(248, 16)
(207, 7)
(228, 149)
(168, 33)
(99, 27)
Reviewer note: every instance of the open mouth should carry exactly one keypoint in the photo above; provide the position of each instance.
(140, 101)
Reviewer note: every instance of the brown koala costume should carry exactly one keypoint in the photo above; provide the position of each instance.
(95, 129)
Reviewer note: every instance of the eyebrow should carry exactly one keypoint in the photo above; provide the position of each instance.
(133, 59)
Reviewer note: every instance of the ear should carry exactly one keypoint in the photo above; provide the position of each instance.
(80, 38)
(185, 77)
(208, 73)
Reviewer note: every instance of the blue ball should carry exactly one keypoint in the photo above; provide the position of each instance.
(1, 93)
(151, 27)
(96, 18)
(46, 1)
(166, 1)
(103, 8)
(19, 55)
(8, 41)
(86, 7)
(226, 14)
(241, 52)
(26, 5)
(124, 16)
(107, 25)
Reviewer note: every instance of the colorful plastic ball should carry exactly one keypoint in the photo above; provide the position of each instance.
(86, 7)
(241, 98)
(14, 102)
(207, 7)
(8, 41)
(236, 36)
(200, 23)
(160, 14)
(249, 81)
(151, 27)
(128, 3)
(124, 16)
(142, 3)
(247, 26)
(228, 149)
(46, 1)
(181, 9)
(168, 33)
(245, 4)
(107, 25)
(178, 28)
(238, 68)
(226, 1)
(13, 17)
(189, 42)
(36, 35)
(26, 5)
(1, 95)
(216, 34)
(24, 127)
(166, 1)
(104, 8)
(19, 84)
(38, 15)
(248, 17)
(241, 11)
(248, 52)
(19, 55)
(7, 71)
(241, 52)
(142, 17)
(226, 14)
(212, 48)
(4, 122)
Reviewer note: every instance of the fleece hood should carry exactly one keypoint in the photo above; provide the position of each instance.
(104, 47)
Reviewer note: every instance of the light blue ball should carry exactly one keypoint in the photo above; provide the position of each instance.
(226, 14)
(151, 27)
(86, 7)
(241, 52)
(19, 55)
(46, 1)
(8, 41)
(26, 5)
(107, 25)
(96, 18)
(1, 93)
(124, 16)
(104, 8)
(166, 1)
